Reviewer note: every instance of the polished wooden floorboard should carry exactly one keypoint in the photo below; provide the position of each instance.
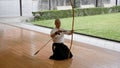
(17, 48)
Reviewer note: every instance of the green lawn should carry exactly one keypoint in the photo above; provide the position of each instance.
(106, 26)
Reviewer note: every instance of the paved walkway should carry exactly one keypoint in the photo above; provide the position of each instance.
(20, 23)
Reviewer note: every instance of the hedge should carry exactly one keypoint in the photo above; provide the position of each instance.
(52, 14)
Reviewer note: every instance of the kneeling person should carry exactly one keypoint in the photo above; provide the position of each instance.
(60, 50)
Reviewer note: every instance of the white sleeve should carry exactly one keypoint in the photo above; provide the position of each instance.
(53, 31)
(67, 32)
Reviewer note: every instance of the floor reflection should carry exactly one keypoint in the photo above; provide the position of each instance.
(62, 63)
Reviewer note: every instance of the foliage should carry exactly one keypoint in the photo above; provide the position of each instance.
(52, 14)
(105, 25)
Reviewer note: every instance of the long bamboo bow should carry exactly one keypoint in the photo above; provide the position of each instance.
(72, 4)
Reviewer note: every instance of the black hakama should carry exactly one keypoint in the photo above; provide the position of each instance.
(60, 52)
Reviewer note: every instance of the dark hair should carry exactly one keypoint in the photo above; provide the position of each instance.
(57, 20)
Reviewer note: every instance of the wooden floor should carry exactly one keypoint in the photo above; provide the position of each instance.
(17, 47)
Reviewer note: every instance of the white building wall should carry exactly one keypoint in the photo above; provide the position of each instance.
(113, 2)
(119, 2)
(35, 5)
(9, 8)
(27, 7)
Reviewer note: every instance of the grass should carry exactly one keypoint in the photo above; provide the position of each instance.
(105, 26)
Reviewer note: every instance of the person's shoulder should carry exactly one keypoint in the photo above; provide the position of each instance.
(53, 30)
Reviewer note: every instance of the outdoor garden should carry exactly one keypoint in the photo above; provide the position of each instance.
(97, 22)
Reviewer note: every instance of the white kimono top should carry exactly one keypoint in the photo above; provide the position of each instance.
(59, 38)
